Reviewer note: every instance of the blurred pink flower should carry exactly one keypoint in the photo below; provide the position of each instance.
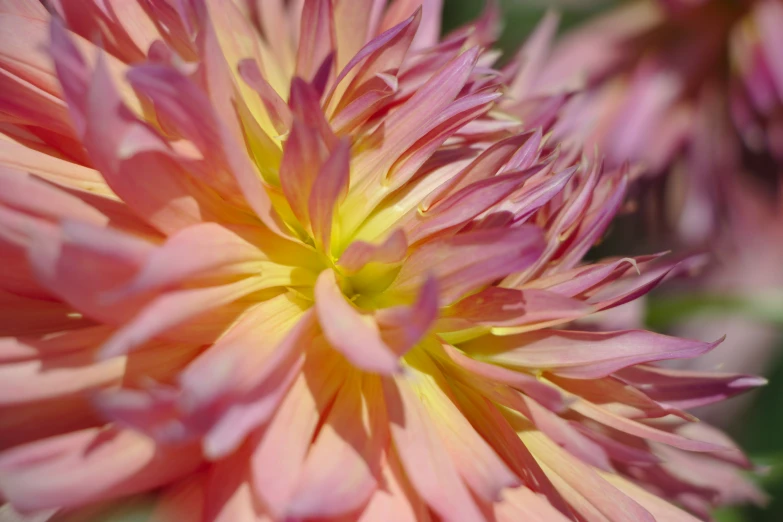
(691, 88)
(293, 260)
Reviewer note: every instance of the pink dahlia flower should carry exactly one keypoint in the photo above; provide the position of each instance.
(288, 261)
(690, 88)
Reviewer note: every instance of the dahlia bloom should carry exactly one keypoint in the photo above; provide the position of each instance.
(290, 261)
(690, 88)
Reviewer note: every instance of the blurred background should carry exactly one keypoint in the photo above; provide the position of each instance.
(734, 288)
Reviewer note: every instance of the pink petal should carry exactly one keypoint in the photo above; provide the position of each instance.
(396, 501)
(402, 327)
(229, 490)
(24, 8)
(136, 162)
(83, 263)
(355, 22)
(638, 429)
(659, 508)
(468, 261)
(351, 333)
(466, 204)
(359, 254)
(580, 485)
(203, 249)
(486, 165)
(499, 307)
(339, 474)
(532, 55)
(595, 224)
(431, 16)
(544, 394)
(57, 376)
(275, 106)
(427, 463)
(45, 344)
(183, 501)
(382, 55)
(279, 458)
(89, 466)
(522, 504)
(172, 309)
(587, 355)
(329, 188)
(685, 389)
(315, 41)
(303, 156)
(584, 278)
(412, 120)
(440, 129)
(494, 427)
(476, 461)
(186, 106)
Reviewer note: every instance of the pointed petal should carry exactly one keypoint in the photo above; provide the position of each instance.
(275, 106)
(359, 253)
(57, 376)
(582, 487)
(499, 307)
(303, 156)
(89, 466)
(687, 389)
(468, 261)
(185, 105)
(546, 395)
(522, 504)
(82, 263)
(351, 333)
(476, 461)
(329, 188)
(586, 355)
(411, 121)
(402, 327)
(427, 463)
(174, 308)
(278, 459)
(315, 38)
(206, 248)
(466, 204)
(339, 474)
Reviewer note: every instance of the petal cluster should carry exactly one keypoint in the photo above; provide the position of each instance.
(690, 91)
(294, 260)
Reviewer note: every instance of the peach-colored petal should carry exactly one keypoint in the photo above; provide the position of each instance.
(582, 487)
(173, 309)
(57, 376)
(402, 327)
(229, 492)
(206, 248)
(396, 500)
(467, 262)
(354, 335)
(340, 471)
(278, 459)
(329, 188)
(183, 501)
(428, 465)
(359, 253)
(523, 504)
(89, 465)
(586, 355)
(686, 389)
(81, 263)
